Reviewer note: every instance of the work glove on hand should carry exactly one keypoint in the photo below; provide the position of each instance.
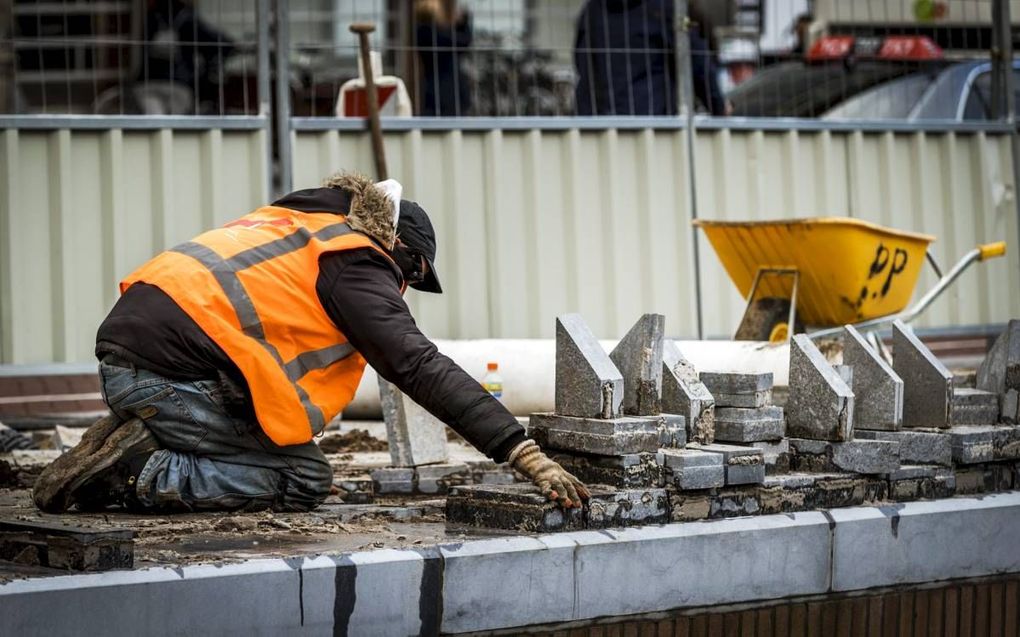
(554, 481)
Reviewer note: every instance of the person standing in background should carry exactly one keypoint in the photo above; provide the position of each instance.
(441, 31)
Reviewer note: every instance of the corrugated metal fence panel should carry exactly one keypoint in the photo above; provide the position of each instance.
(535, 223)
(80, 209)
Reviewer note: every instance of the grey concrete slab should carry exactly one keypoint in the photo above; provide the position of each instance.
(692, 469)
(391, 480)
(627, 471)
(878, 390)
(672, 430)
(776, 454)
(415, 436)
(927, 384)
(683, 393)
(613, 437)
(734, 424)
(973, 443)
(921, 447)
(925, 541)
(588, 383)
(677, 565)
(1000, 369)
(638, 356)
(974, 407)
(820, 405)
(744, 465)
(1009, 407)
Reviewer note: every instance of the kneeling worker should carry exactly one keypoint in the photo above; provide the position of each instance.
(227, 354)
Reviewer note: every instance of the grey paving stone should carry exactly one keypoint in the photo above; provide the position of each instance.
(1009, 410)
(974, 407)
(752, 400)
(683, 393)
(734, 424)
(522, 507)
(975, 443)
(415, 436)
(921, 482)
(692, 469)
(736, 382)
(920, 447)
(1000, 369)
(440, 478)
(638, 356)
(744, 465)
(776, 455)
(820, 405)
(612, 437)
(626, 472)
(393, 480)
(927, 384)
(588, 383)
(72, 548)
(672, 430)
(356, 489)
(878, 390)
(857, 456)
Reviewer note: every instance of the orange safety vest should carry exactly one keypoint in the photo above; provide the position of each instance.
(250, 286)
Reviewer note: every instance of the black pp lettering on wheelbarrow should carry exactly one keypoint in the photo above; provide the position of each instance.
(884, 264)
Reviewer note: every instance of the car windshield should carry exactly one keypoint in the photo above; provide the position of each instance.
(891, 100)
(796, 89)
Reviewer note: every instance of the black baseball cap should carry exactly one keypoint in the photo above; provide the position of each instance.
(415, 231)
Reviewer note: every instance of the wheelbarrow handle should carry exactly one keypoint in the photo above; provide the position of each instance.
(991, 250)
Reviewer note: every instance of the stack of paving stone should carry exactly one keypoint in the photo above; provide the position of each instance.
(745, 415)
(610, 431)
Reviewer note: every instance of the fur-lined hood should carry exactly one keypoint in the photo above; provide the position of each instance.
(371, 212)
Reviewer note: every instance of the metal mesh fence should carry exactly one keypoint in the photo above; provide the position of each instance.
(911, 60)
(135, 57)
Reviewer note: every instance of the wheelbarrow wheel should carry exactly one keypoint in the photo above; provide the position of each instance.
(767, 320)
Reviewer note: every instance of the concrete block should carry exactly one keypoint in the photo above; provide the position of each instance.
(927, 384)
(415, 436)
(754, 400)
(683, 393)
(1000, 369)
(612, 437)
(916, 447)
(641, 570)
(356, 489)
(925, 542)
(734, 424)
(736, 382)
(638, 356)
(69, 548)
(505, 583)
(691, 469)
(588, 383)
(389, 480)
(856, 456)
(974, 407)
(921, 482)
(878, 390)
(734, 501)
(820, 405)
(744, 465)
(625, 472)
(608, 509)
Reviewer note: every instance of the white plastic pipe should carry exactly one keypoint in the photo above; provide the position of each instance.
(528, 368)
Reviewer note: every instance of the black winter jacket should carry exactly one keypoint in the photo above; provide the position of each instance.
(360, 291)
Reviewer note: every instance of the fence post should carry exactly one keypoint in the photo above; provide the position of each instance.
(265, 110)
(282, 64)
(685, 96)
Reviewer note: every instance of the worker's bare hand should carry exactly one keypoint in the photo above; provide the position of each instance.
(555, 482)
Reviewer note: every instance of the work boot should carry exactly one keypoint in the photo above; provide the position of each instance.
(101, 470)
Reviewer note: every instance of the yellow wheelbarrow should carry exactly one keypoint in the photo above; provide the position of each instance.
(827, 272)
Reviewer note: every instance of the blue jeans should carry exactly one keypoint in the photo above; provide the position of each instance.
(211, 460)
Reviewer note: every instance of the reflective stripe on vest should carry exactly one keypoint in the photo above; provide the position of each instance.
(225, 270)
